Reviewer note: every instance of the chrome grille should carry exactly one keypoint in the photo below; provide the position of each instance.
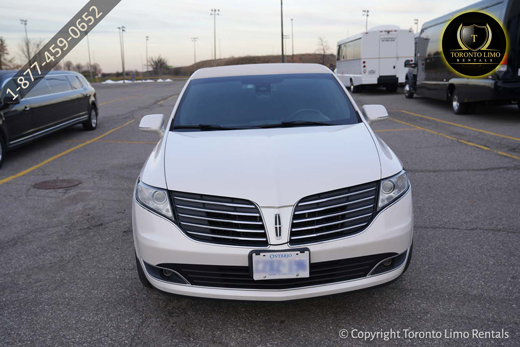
(334, 214)
(220, 220)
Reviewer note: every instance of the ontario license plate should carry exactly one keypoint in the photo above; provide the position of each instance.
(278, 265)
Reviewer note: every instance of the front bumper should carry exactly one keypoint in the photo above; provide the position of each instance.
(158, 241)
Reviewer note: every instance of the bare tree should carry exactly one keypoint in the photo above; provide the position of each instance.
(68, 65)
(323, 49)
(58, 67)
(78, 67)
(28, 48)
(158, 64)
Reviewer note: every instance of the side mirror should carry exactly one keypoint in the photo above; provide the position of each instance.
(375, 113)
(153, 122)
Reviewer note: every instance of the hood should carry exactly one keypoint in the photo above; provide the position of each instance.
(271, 167)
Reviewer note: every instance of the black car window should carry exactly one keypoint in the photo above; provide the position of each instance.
(39, 89)
(264, 100)
(58, 84)
(75, 82)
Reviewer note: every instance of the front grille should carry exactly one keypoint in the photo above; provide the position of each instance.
(220, 220)
(334, 214)
(239, 277)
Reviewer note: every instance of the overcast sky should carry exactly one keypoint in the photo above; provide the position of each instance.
(244, 27)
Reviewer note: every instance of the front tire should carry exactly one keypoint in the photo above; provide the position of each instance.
(408, 93)
(458, 106)
(2, 150)
(142, 276)
(92, 122)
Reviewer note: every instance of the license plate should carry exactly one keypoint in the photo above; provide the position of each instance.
(278, 265)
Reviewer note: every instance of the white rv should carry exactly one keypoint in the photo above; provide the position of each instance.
(375, 57)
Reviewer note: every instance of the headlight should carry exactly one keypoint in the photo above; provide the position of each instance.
(392, 188)
(155, 199)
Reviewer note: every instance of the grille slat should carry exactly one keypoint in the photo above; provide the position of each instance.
(334, 214)
(221, 220)
(239, 277)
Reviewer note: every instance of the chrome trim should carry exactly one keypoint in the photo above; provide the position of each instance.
(334, 198)
(328, 232)
(257, 231)
(165, 268)
(333, 215)
(217, 211)
(160, 280)
(278, 226)
(75, 120)
(220, 220)
(334, 206)
(226, 237)
(213, 202)
(382, 261)
(332, 223)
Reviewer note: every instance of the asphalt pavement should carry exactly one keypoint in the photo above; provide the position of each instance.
(68, 274)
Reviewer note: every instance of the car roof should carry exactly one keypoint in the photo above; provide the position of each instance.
(11, 73)
(259, 69)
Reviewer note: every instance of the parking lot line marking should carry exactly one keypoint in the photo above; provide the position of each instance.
(401, 129)
(24, 172)
(461, 126)
(168, 98)
(114, 141)
(458, 140)
(123, 98)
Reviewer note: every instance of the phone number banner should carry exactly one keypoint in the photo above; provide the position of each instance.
(57, 48)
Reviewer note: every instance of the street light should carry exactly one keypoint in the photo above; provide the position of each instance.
(285, 38)
(194, 40)
(215, 12)
(416, 21)
(147, 38)
(281, 16)
(365, 14)
(122, 42)
(27, 47)
(292, 39)
(89, 61)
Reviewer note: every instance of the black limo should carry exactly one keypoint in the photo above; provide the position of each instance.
(59, 100)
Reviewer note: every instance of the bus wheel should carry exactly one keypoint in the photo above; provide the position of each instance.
(458, 107)
(354, 89)
(408, 93)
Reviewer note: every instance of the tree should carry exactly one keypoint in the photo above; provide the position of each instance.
(323, 49)
(158, 64)
(5, 64)
(28, 48)
(78, 67)
(68, 65)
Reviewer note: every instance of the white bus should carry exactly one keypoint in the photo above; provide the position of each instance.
(375, 57)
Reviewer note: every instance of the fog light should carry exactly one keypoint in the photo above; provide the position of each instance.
(387, 262)
(167, 273)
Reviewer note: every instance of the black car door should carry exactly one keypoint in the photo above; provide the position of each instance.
(82, 97)
(16, 119)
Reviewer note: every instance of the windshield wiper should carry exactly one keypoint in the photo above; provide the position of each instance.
(204, 127)
(294, 123)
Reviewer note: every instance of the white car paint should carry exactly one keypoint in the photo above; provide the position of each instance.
(274, 168)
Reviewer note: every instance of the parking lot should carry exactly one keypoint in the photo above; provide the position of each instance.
(69, 277)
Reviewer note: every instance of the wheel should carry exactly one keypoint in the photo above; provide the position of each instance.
(458, 107)
(353, 88)
(142, 277)
(92, 122)
(2, 150)
(392, 88)
(408, 93)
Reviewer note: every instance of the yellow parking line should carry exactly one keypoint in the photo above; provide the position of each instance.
(461, 126)
(24, 172)
(168, 98)
(458, 140)
(401, 129)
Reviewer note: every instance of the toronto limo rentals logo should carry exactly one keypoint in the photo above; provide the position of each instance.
(474, 44)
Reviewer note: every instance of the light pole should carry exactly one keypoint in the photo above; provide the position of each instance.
(285, 38)
(215, 12)
(292, 39)
(281, 16)
(416, 21)
(220, 48)
(89, 61)
(147, 38)
(365, 14)
(122, 43)
(194, 40)
(27, 47)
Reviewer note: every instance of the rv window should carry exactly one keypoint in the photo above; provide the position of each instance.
(354, 50)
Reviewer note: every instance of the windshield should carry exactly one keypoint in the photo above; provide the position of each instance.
(245, 102)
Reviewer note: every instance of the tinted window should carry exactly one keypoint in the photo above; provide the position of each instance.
(249, 101)
(41, 88)
(75, 82)
(58, 84)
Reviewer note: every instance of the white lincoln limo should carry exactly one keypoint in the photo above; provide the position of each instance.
(269, 184)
